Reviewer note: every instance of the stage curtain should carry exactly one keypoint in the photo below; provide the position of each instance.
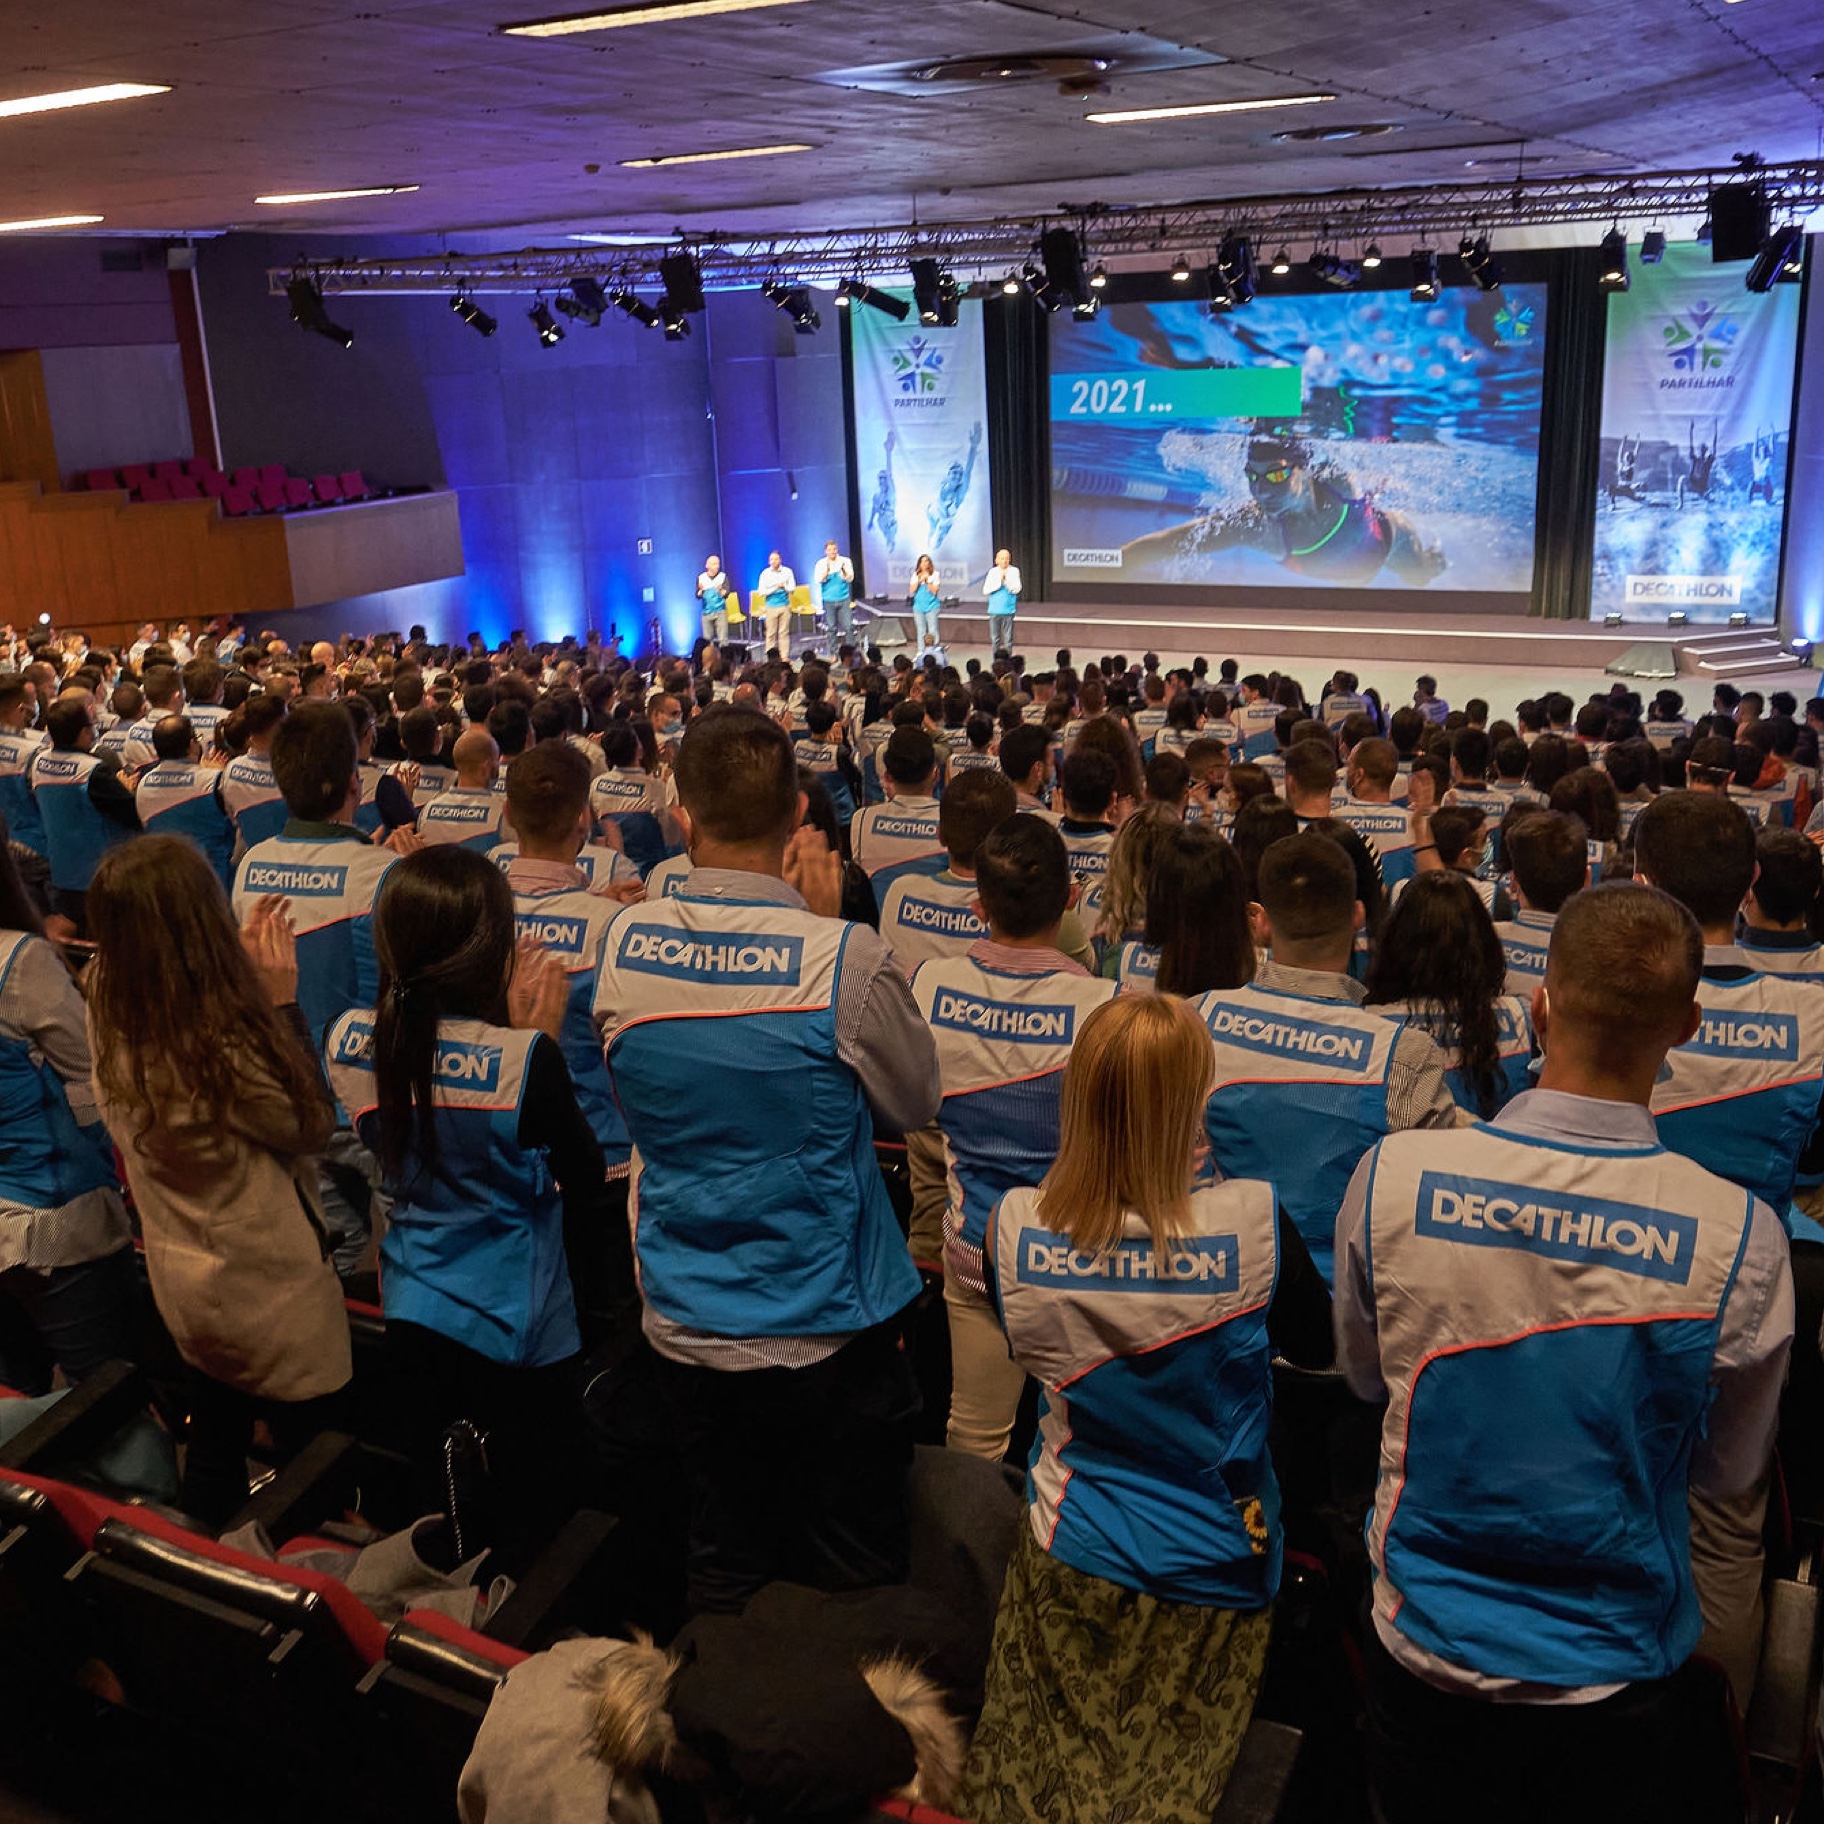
(1570, 451)
(1019, 435)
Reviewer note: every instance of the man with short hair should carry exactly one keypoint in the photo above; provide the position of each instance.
(1470, 752)
(774, 590)
(1004, 1012)
(930, 915)
(1025, 755)
(250, 790)
(421, 741)
(900, 836)
(821, 750)
(19, 744)
(1086, 782)
(773, 1271)
(1597, 1324)
(471, 812)
(1369, 810)
(1548, 855)
(1256, 719)
(178, 796)
(833, 580)
(83, 802)
(631, 808)
(1306, 1078)
(1775, 931)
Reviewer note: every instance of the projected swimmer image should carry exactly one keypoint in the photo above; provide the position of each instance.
(1343, 441)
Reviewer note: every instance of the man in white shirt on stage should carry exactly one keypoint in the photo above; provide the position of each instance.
(833, 586)
(713, 590)
(1002, 589)
(775, 591)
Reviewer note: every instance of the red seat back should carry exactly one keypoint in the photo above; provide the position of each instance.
(271, 496)
(353, 487)
(155, 489)
(274, 473)
(328, 487)
(185, 488)
(78, 1508)
(196, 467)
(167, 470)
(215, 484)
(236, 501)
(247, 478)
(101, 480)
(297, 492)
(135, 475)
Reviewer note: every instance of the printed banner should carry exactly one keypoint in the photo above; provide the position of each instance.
(1334, 440)
(1696, 413)
(921, 450)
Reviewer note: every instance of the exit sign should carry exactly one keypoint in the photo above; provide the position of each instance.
(644, 547)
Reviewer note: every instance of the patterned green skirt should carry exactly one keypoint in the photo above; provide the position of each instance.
(1106, 1706)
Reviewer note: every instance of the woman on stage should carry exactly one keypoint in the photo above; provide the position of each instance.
(923, 599)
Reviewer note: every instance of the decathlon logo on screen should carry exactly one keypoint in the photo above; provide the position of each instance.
(1293, 1038)
(1034, 1025)
(1774, 1036)
(727, 956)
(1207, 1262)
(1091, 557)
(1719, 591)
(1590, 1231)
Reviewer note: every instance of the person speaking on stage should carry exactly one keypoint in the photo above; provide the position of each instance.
(713, 590)
(1002, 588)
(924, 600)
(775, 591)
(833, 581)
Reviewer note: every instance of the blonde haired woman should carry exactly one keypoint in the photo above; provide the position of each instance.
(1133, 1627)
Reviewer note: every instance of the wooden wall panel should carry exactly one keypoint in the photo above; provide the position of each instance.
(28, 452)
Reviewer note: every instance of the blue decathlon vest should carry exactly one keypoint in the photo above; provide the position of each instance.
(1547, 1319)
(1742, 1097)
(1663, 734)
(332, 887)
(1804, 965)
(633, 801)
(16, 800)
(464, 818)
(927, 916)
(895, 838)
(1002, 1043)
(1300, 1095)
(1087, 852)
(76, 835)
(253, 799)
(973, 760)
(925, 599)
(823, 759)
(1340, 706)
(1151, 1466)
(572, 924)
(1148, 725)
(870, 738)
(1255, 723)
(835, 589)
(49, 1156)
(1137, 967)
(1514, 1043)
(1387, 830)
(1003, 601)
(1525, 939)
(600, 866)
(475, 1249)
(175, 798)
(760, 1210)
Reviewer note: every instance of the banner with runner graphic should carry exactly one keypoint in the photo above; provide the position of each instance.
(1696, 415)
(921, 450)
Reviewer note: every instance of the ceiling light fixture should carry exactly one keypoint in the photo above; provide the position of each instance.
(49, 221)
(674, 320)
(636, 307)
(1098, 280)
(706, 158)
(1781, 257)
(1282, 264)
(306, 299)
(550, 331)
(472, 314)
(682, 278)
(1612, 273)
(80, 98)
(658, 12)
(335, 196)
(1236, 267)
(1010, 286)
(795, 301)
(1371, 256)
(1181, 271)
(1652, 247)
(1480, 262)
(1424, 276)
(861, 292)
(1116, 116)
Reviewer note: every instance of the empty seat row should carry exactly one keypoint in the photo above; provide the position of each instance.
(247, 490)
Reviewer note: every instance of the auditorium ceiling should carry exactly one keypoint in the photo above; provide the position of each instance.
(527, 135)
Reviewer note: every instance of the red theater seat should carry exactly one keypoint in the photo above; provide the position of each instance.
(155, 489)
(196, 467)
(247, 478)
(215, 484)
(271, 496)
(328, 488)
(274, 474)
(297, 492)
(353, 487)
(100, 481)
(236, 502)
(167, 471)
(184, 487)
(135, 475)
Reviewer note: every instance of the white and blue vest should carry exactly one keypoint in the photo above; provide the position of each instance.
(176, 798)
(1087, 851)
(1663, 734)
(470, 819)
(1003, 1040)
(1547, 1333)
(332, 887)
(759, 1208)
(16, 800)
(666, 881)
(927, 916)
(1148, 723)
(634, 801)
(895, 838)
(76, 835)
(55, 1151)
(253, 799)
(973, 760)
(1805, 964)
(1137, 967)
(1340, 706)
(824, 759)
(1151, 1466)
(1254, 725)
(870, 738)
(1525, 940)
(572, 924)
(1387, 829)
(1741, 1098)
(600, 865)
(1300, 1095)
(474, 1249)
(1513, 1041)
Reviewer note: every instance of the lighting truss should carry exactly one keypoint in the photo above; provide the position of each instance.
(1419, 216)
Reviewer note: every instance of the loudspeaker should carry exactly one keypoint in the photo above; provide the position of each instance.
(1739, 221)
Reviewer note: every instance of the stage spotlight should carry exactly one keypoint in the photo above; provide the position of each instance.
(1235, 260)
(472, 314)
(1677, 618)
(1424, 275)
(1480, 263)
(1098, 280)
(1611, 619)
(1799, 647)
(673, 319)
(1010, 285)
(578, 311)
(1781, 256)
(1087, 309)
(1282, 264)
(1612, 274)
(1371, 256)
(1321, 263)
(1061, 254)
(550, 331)
(845, 291)
(308, 313)
(1334, 270)
(683, 280)
(1181, 271)
(1738, 619)
(636, 307)
(948, 301)
(860, 291)
(795, 301)
(1652, 247)
(925, 286)
(1222, 293)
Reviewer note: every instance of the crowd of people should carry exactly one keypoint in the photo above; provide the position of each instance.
(580, 997)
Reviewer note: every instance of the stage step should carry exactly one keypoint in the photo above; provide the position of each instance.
(1726, 652)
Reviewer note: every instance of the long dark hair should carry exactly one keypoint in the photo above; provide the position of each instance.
(1438, 952)
(444, 935)
(178, 1011)
(1260, 823)
(1197, 913)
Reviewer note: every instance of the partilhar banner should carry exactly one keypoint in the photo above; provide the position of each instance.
(921, 450)
(1696, 412)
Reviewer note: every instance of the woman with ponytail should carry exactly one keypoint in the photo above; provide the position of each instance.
(457, 1084)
